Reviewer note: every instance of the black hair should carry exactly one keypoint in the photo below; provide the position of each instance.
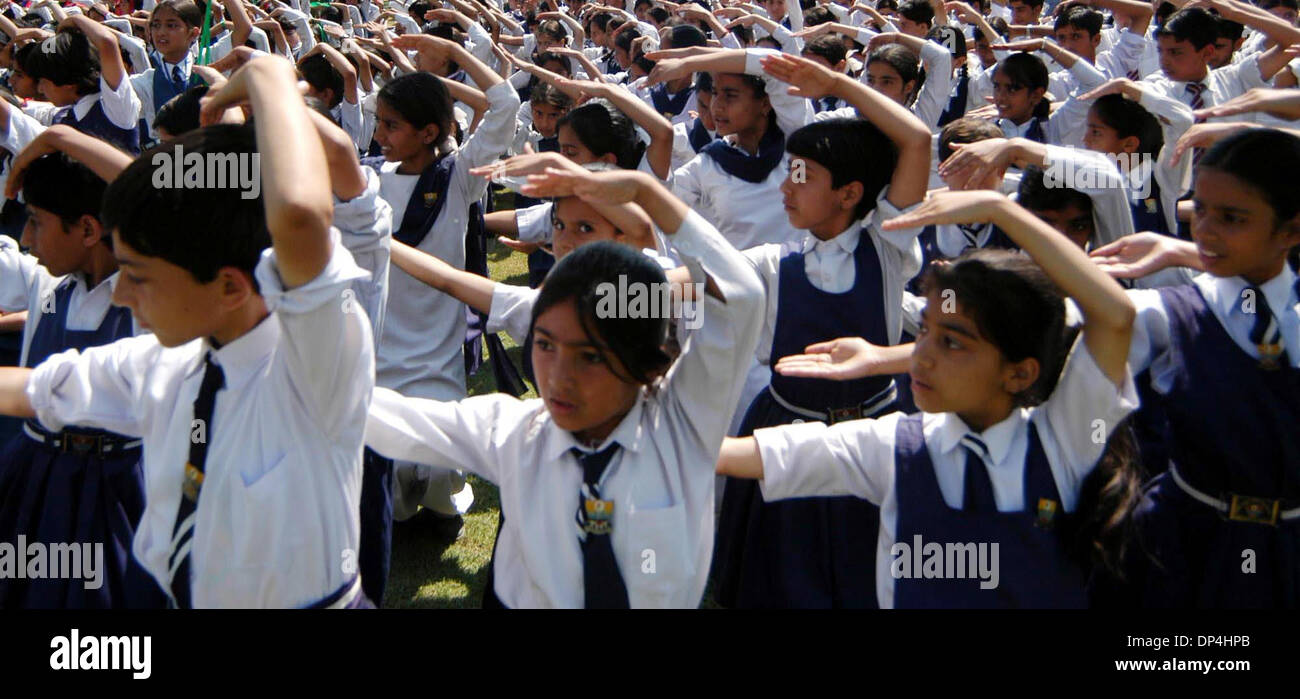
(181, 113)
(546, 93)
(419, 9)
(328, 13)
(65, 188)
(318, 73)
(1129, 118)
(853, 150)
(1193, 25)
(1229, 29)
(1031, 3)
(624, 40)
(66, 58)
(1270, 4)
(1037, 194)
(421, 99)
(743, 34)
(639, 3)
(1024, 70)
(1256, 157)
(600, 20)
(918, 11)
(817, 15)
(585, 277)
(828, 47)
(902, 60)
(1013, 303)
(602, 128)
(224, 229)
(658, 14)
(1080, 17)
(686, 36)
(704, 82)
(187, 10)
(551, 28)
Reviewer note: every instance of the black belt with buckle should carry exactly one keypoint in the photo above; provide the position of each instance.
(82, 443)
(830, 416)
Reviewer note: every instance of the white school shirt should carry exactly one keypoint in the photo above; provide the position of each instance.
(420, 349)
(746, 213)
(365, 223)
(278, 516)
(1150, 347)
(858, 457)
(829, 265)
(661, 481)
(1097, 176)
(23, 129)
(143, 85)
(932, 99)
(1222, 84)
(121, 106)
(352, 119)
(683, 151)
(26, 285)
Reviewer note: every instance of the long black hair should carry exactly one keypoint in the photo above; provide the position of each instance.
(602, 128)
(586, 276)
(421, 99)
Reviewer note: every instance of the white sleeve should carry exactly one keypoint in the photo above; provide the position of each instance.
(327, 348)
(1083, 411)
(100, 387)
(19, 274)
(704, 384)
(534, 223)
(136, 52)
(457, 435)
(792, 111)
(933, 97)
(1098, 177)
(811, 459)
(121, 106)
(492, 138)
(511, 311)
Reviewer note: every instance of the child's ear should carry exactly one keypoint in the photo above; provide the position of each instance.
(1020, 376)
(429, 135)
(610, 158)
(1036, 94)
(1130, 144)
(850, 195)
(194, 33)
(839, 67)
(236, 287)
(92, 231)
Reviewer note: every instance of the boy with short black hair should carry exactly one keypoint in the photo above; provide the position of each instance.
(251, 393)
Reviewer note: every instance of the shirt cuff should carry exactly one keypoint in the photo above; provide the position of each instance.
(339, 273)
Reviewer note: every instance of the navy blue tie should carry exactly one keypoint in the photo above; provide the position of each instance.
(178, 78)
(602, 584)
(178, 562)
(978, 489)
(1266, 333)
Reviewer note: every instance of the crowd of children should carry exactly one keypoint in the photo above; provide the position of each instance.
(954, 304)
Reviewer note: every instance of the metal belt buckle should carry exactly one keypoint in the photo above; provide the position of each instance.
(1244, 508)
(82, 443)
(834, 415)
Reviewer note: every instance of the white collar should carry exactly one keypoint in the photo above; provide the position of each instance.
(997, 438)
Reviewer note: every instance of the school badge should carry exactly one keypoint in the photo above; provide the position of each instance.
(1270, 356)
(1046, 513)
(193, 483)
(430, 198)
(1151, 205)
(600, 516)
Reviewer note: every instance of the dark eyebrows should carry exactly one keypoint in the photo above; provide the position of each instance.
(543, 332)
(953, 327)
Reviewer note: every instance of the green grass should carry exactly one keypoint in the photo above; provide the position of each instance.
(432, 568)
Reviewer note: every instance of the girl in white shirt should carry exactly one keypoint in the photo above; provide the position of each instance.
(979, 471)
(620, 436)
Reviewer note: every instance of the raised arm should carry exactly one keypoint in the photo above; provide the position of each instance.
(659, 153)
(111, 68)
(1108, 312)
(809, 79)
(295, 174)
(103, 159)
